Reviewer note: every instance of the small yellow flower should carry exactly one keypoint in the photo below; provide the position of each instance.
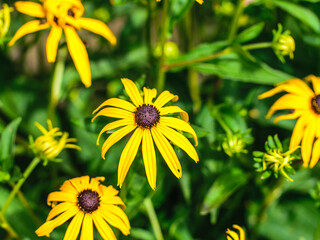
(147, 120)
(283, 43)
(4, 19)
(305, 105)
(63, 15)
(87, 202)
(52, 142)
(232, 235)
(199, 1)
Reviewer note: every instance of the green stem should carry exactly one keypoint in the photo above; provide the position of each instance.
(17, 187)
(153, 218)
(234, 25)
(164, 23)
(5, 225)
(57, 82)
(218, 117)
(254, 46)
(317, 232)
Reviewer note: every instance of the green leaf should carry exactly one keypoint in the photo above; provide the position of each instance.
(250, 33)
(235, 68)
(178, 9)
(6, 145)
(305, 15)
(226, 184)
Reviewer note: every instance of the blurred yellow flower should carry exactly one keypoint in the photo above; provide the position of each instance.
(63, 15)
(148, 121)
(87, 202)
(305, 105)
(52, 142)
(232, 235)
(199, 1)
(4, 19)
(283, 43)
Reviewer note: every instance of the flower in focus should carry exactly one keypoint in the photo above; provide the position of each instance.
(63, 15)
(283, 43)
(304, 104)
(147, 120)
(232, 235)
(49, 145)
(4, 19)
(87, 202)
(275, 159)
(199, 1)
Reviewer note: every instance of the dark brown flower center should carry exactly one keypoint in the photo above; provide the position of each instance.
(88, 201)
(147, 116)
(316, 104)
(70, 13)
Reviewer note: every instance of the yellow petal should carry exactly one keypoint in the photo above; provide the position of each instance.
(315, 83)
(115, 200)
(53, 43)
(200, 1)
(61, 197)
(103, 228)
(298, 131)
(232, 234)
(46, 228)
(289, 101)
(29, 27)
(116, 102)
(318, 126)
(167, 152)
(108, 191)
(149, 158)
(115, 137)
(115, 124)
(87, 228)
(114, 113)
(116, 217)
(315, 153)
(74, 227)
(179, 140)
(30, 8)
(78, 54)
(307, 141)
(60, 208)
(97, 27)
(181, 125)
(242, 234)
(132, 91)
(174, 109)
(149, 95)
(164, 98)
(128, 154)
(293, 115)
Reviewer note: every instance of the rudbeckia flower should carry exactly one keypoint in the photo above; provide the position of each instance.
(63, 15)
(199, 1)
(149, 124)
(87, 202)
(232, 235)
(305, 105)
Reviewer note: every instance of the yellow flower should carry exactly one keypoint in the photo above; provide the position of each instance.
(47, 146)
(199, 1)
(63, 15)
(235, 236)
(148, 121)
(87, 202)
(305, 105)
(283, 43)
(4, 19)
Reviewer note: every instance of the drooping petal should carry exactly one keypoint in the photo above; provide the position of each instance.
(164, 98)
(61, 197)
(289, 101)
(149, 158)
(307, 141)
(115, 137)
(315, 83)
(315, 153)
(117, 102)
(293, 115)
(181, 125)
(114, 113)
(179, 140)
(48, 227)
(97, 27)
(74, 227)
(30, 8)
(115, 124)
(174, 109)
(128, 154)
(241, 231)
(167, 152)
(132, 91)
(53, 43)
(103, 228)
(116, 217)
(149, 95)
(60, 208)
(233, 235)
(87, 228)
(200, 1)
(29, 27)
(79, 55)
(298, 131)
